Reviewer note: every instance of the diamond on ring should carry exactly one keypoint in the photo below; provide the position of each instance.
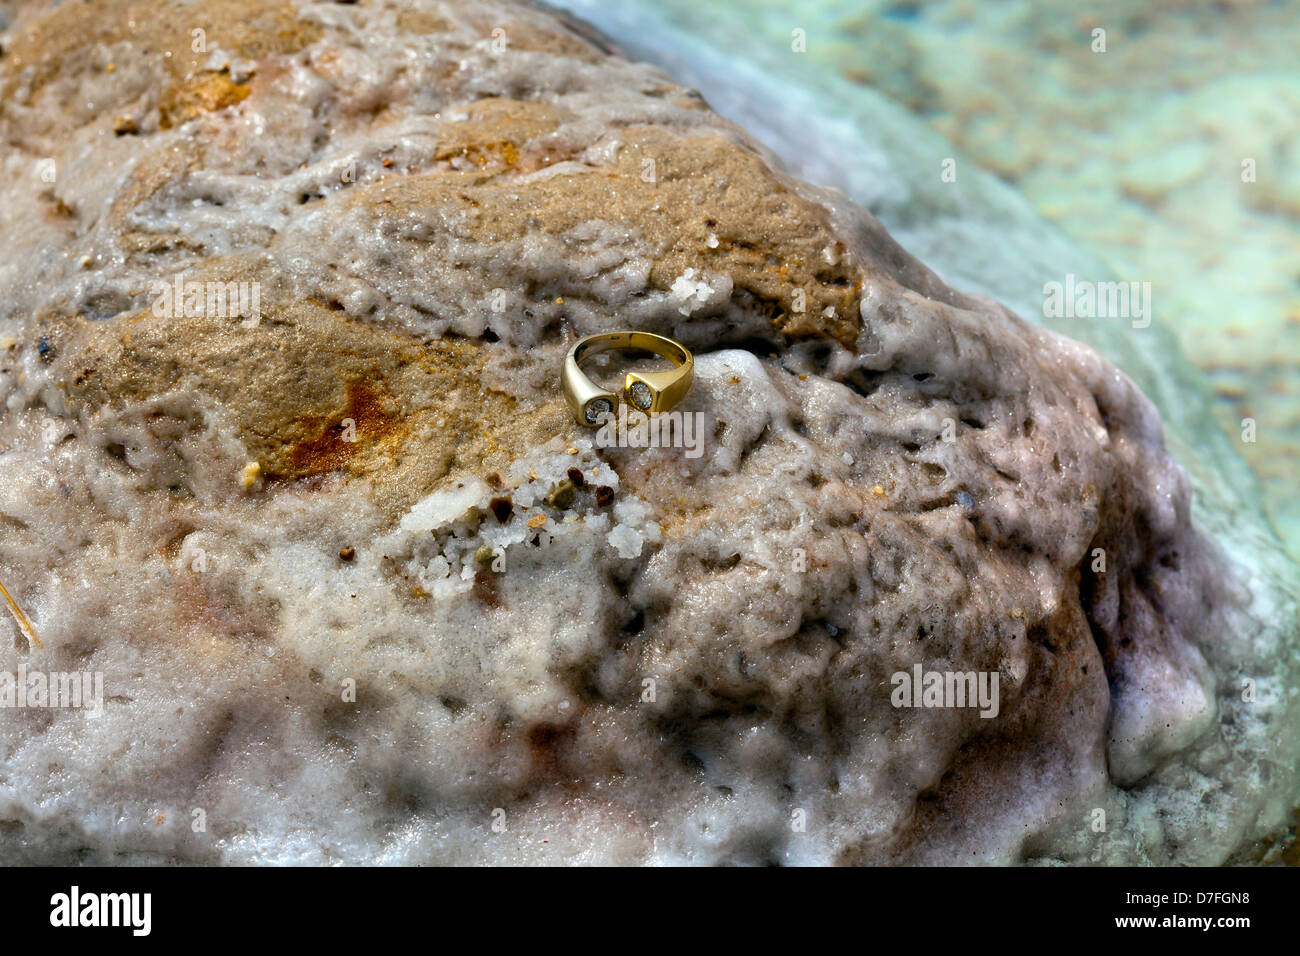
(640, 394)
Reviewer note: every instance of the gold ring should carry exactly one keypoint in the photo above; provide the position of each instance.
(649, 392)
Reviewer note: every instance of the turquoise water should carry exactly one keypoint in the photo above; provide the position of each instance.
(1157, 144)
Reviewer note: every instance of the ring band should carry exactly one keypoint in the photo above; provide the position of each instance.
(648, 392)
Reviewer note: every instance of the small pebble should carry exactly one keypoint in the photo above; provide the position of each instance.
(561, 495)
(502, 508)
(604, 496)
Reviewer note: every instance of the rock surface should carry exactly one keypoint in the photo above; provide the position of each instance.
(1171, 157)
(673, 662)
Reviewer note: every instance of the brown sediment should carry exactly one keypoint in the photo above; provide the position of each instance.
(197, 94)
(487, 587)
(494, 135)
(534, 37)
(422, 22)
(158, 32)
(713, 206)
(304, 380)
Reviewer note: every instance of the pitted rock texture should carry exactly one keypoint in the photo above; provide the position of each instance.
(668, 658)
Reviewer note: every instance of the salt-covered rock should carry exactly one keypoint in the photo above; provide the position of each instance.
(673, 657)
